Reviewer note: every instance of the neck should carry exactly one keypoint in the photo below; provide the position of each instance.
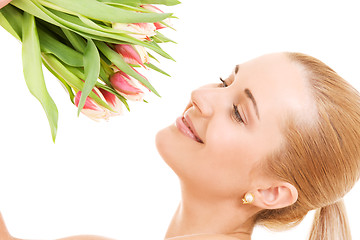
(205, 215)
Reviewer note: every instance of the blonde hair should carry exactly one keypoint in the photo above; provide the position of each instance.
(322, 159)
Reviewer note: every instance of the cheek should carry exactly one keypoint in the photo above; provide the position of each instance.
(232, 145)
(225, 164)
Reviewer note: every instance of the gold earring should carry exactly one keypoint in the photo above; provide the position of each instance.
(248, 198)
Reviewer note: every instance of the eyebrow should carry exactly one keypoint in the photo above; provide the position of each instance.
(249, 95)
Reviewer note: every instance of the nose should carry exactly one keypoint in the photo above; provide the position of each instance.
(204, 99)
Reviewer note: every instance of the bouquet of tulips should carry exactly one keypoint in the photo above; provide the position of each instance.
(93, 47)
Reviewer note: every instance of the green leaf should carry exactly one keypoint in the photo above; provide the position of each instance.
(131, 2)
(70, 77)
(115, 58)
(74, 24)
(31, 8)
(92, 70)
(79, 72)
(32, 67)
(163, 2)
(12, 20)
(7, 26)
(162, 38)
(66, 54)
(133, 7)
(151, 56)
(103, 12)
(91, 30)
(76, 40)
(104, 76)
(152, 66)
(55, 31)
(64, 84)
(91, 24)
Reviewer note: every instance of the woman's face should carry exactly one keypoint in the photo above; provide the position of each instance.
(227, 128)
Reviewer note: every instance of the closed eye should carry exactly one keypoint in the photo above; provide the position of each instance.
(237, 115)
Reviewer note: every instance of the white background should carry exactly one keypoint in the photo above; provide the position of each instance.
(107, 178)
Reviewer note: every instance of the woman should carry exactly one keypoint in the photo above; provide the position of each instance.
(279, 137)
(276, 139)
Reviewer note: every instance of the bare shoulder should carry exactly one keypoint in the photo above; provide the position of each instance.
(205, 237)
(5, 235)
(86, 237)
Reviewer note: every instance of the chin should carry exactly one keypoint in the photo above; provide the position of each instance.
(163, 143)
(171, 148)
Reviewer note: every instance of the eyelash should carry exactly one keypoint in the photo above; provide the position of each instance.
(236, 113)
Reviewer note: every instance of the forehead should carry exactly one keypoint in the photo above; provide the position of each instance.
(278, 84)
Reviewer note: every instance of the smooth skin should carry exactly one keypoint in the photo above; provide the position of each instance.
(216, 173)
(5, 235)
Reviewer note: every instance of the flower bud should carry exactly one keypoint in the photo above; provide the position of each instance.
(152, 8)
(133, 54)
(139, 31)
(91, 109)
(113, 101)
(126, 86)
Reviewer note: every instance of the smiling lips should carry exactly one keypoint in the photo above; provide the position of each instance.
(184, 124)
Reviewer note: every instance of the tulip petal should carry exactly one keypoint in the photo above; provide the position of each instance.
(91, 109)
(124, 84)
(139, 31)
(144, 56)
(89, 104)
(4, 3)
(129, 54)
(114, 57)
(113, 101)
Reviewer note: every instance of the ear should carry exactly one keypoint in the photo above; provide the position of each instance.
(281, 195)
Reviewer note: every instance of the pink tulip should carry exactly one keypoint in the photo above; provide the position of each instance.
(133, 54)
(156, 10)
(3, 3)
(113, 102)
(143, 77)
(126, 86)
(140, 31)
(91, 109)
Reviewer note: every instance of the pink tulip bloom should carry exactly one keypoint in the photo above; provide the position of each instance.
(3, 3)
(133, 54)
(91, 109)
(140, 31)
(113, 102)
(126, 86)
(156, 10)
(143, 77)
